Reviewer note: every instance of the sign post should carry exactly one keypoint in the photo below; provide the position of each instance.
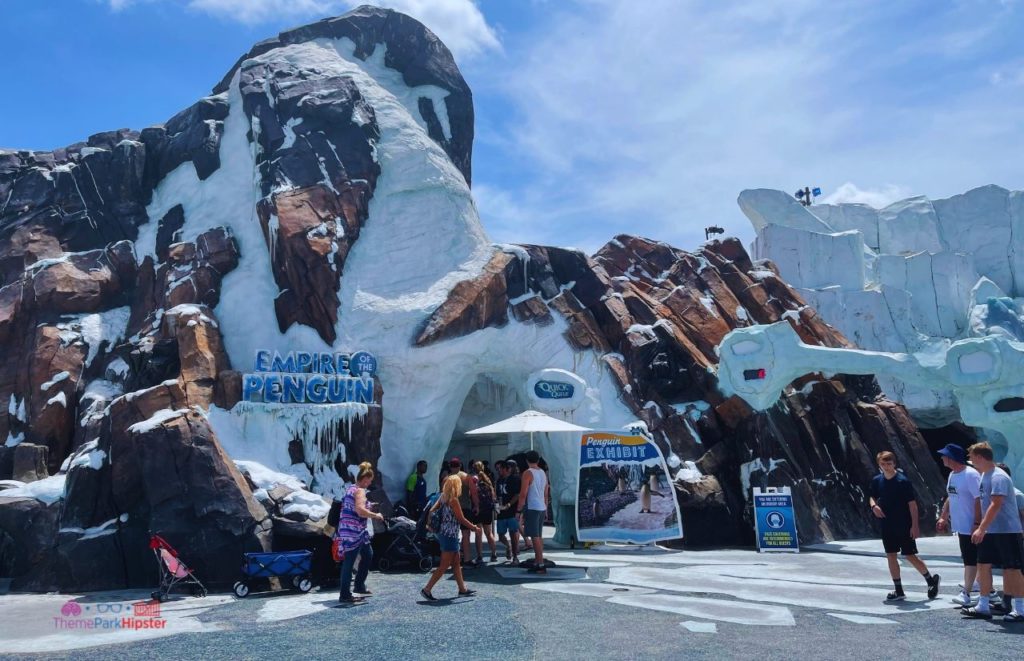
(774, 521)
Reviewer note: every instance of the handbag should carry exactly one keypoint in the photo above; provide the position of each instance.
(336, 551)
(435, 520)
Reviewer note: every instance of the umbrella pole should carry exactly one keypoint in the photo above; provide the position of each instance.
(531, 440)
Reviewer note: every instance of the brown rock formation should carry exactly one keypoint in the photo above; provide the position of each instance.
(657, 314)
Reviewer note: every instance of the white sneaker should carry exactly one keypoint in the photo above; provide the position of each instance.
(963, 599)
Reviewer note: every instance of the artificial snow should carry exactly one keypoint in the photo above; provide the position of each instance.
(421, 238)
(105, 528)
(901, 278)
(156, 420)
(86, 456)
(60, 399)
(48, 490)
(57, 378)
(310, 505)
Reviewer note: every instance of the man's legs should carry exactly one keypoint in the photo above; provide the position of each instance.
(1013, 586)
(985, 582)
(514, 535)
(894, 566)
(931, 579)
(970, 575)
(918, 564)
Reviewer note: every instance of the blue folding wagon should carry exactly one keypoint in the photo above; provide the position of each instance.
(297, 565)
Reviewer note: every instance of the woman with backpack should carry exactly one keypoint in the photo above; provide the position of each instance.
(446, 516)
(352, 536)
(485, 517)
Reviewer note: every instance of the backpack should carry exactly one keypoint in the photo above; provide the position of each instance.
(485, 496)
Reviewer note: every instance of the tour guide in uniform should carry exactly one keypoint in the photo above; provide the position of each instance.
(892, 501)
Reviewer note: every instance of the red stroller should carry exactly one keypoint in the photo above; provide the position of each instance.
(172, 570)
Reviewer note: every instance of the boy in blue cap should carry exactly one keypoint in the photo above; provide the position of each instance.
(961, 513)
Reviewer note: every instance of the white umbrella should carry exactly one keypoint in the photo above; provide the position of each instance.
(528, 421)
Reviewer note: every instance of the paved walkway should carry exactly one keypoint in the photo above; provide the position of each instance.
(606, 602)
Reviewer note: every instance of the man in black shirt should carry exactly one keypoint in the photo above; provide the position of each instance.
(893, 503)
(508, 497)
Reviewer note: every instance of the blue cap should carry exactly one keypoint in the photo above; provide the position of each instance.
(954, 452)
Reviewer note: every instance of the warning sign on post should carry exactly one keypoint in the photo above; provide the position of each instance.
(774, 521)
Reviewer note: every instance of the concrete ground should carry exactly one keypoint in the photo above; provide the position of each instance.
(607, 602)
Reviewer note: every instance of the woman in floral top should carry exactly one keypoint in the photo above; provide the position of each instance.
(353, 537)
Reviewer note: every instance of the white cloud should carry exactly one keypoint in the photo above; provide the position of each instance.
(458, 23)
(260, 11)
(650, 117)
(877, 197)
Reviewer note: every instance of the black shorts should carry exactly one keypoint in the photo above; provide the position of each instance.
(470, 516)
(1005, 549)
(485, 518)
(968, 551)
(899, 542)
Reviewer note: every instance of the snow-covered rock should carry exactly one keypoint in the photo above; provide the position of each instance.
(912, 283)
(317, 204)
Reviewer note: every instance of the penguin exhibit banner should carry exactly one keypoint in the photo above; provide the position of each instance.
(624, 492)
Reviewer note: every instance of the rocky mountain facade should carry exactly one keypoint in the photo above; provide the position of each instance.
(131, 273)
(656, 314)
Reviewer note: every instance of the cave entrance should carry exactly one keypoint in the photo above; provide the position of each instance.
(491, 398)
(938, 437)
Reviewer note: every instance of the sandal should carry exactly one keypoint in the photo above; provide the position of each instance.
(427, 595)
(467, 593)
(976, 614)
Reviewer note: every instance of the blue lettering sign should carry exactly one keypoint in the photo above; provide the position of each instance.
(251, 385)
(362, 363)
(300, 377)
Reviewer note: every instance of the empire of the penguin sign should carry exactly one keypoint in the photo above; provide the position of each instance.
(300, 377)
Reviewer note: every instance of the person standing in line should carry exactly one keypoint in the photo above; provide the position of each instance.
(485, 517)
(524, 541)
(416, 490)
(507, 521)
(1018, 494)
(447, 522)
(443, 474)
(469, 501)
(998, 537)
(354, 537)
(533, 506)
(893, 502)
(961, 513)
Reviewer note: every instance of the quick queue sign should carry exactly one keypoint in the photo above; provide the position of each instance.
(553, 389)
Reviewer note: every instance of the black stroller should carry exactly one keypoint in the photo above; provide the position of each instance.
(399, 543)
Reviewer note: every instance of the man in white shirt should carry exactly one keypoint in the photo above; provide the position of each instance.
(961, 513)
(534, 496)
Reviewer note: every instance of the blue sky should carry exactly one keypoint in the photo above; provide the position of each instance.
(599, 117)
